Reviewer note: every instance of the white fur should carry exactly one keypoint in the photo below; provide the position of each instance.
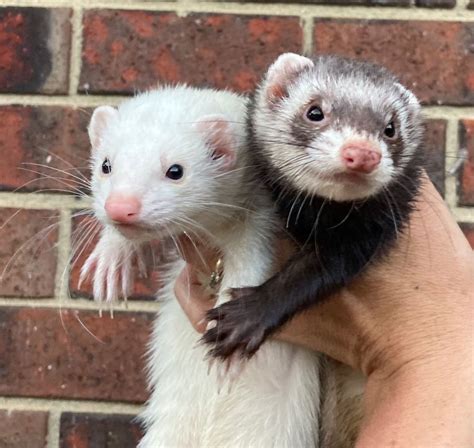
(275, 401)
(326, 162)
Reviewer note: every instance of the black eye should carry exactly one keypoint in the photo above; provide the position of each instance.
(315, 113)
(106, 167)
(390, 130)
(175, 172)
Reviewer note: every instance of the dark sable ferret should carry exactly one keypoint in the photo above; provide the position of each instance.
(338, 143)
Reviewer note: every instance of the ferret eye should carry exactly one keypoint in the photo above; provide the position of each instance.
(106, 167)
(390, 131)
(315, 113)
(175, 172)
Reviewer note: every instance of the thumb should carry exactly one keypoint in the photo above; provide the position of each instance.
(203, 257)
(192, 297)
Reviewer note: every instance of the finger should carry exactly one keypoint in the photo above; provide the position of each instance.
(192, 298)
(203, 257)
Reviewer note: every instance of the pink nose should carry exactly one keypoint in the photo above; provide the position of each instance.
(360, 158)
(123, 209)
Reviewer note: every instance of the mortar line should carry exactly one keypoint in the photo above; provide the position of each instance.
(275, 9)
(89, 101)
(456, 112)
(54, 427)
(133, 306)
(76, 49)
(307, 35)
(64, 249)
(68, 405)
(42, 201)
(452, 149)
(461, 5)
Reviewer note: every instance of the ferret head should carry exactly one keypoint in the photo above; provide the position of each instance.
(157, 160)
(335, 127)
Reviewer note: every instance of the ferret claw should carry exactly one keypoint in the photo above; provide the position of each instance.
(242, 326)
(110, 265)
(86, 270)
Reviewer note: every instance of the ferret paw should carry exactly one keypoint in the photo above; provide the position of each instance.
(240, 325)
(110, 268)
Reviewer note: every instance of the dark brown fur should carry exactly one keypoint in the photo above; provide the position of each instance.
(338, 239)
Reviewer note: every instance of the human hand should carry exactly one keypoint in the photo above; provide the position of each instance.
(406, 322)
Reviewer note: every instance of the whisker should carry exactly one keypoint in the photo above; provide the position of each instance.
(315, 227)
(69, 182)
(291, 209)
(81, 180)
(301, 207)
(10, 218)
(76, 315)
(345, 218)
(387, 198)
(41, 235)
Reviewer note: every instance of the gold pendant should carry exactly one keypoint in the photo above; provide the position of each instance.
(216, 275)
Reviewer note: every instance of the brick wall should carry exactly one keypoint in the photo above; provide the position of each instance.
(68, 377)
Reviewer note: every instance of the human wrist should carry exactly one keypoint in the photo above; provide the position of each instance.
(422, 404)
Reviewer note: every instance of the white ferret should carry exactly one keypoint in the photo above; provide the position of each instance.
(172, 161)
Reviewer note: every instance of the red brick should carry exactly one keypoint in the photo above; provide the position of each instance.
(466, 176)
(412, 50)
(52, 136)
(144, 288)
(436, 3)
(34, 50)
(23, 429)
(28, 252)
(124, 51)
(468, 229)
(73, 354)
(98, 431)
(434, 147)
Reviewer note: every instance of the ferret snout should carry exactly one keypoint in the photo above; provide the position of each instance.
(360, 157)
(122, 208)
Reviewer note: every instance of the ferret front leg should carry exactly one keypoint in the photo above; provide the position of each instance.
(248, 261)
(243, 323)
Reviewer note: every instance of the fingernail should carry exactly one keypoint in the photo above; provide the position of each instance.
(212, 324)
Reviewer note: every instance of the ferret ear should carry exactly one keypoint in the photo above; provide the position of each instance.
(100, 119)
(219, 136)
(410, 96)
(282, 72)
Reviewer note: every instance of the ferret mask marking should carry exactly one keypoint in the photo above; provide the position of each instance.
(361, 112)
